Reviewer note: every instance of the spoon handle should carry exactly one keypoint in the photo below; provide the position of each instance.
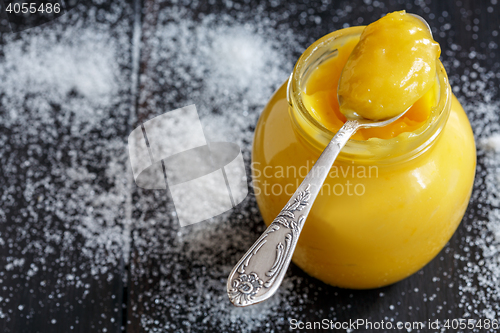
(259, 273)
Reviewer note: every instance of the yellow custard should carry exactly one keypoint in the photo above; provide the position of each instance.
(319, 96)
(393, 198)
(390, 68)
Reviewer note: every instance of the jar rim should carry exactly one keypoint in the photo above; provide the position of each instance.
(403, 147)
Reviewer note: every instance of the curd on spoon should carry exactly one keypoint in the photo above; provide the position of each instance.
(390, 68)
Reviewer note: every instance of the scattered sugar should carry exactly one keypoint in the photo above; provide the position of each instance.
(40, 74)
(491, 144)
(480, 287)
(479, 260)
(229, 70)
(64, 113)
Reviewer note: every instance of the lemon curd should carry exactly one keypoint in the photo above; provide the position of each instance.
(395, 195)
(390, 68)
(320, 98)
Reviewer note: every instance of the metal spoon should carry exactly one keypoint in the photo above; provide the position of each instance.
(259, 273)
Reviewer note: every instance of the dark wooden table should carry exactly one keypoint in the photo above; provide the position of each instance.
(82, 249)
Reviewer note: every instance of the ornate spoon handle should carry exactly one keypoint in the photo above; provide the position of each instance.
(259, 273)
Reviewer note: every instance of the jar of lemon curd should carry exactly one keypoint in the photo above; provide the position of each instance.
(395, 195)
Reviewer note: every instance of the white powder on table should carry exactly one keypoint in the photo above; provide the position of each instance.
(64, 109)
(479, 258)
(491, 144)
(480, 290)
(229, 70)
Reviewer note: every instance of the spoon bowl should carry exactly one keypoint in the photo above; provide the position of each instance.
(423, 21)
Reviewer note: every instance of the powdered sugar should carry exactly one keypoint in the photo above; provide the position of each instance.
(229, 70)
(480, 289)
(64, 183)
(491, 144)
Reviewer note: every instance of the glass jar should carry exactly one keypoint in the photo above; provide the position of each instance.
(388, 206)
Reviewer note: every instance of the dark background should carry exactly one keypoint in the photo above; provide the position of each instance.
(58, 275)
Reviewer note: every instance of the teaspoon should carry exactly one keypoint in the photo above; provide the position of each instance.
(259, 273)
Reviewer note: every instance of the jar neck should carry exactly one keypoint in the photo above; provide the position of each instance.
(404, 147)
